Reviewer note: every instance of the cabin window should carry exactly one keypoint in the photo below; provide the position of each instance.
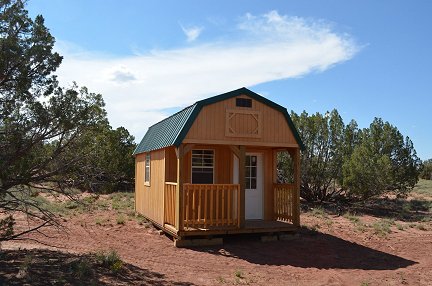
(243, 102)
(147, 169)
(202, 166)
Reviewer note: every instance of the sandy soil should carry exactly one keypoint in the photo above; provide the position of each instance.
(338, 253)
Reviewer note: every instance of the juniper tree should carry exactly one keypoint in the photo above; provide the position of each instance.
(44, 127)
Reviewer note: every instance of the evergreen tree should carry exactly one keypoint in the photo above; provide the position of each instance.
(45, 129)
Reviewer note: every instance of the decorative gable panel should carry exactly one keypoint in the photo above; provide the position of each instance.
(243, 123)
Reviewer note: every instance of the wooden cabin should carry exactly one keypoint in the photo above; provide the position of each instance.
(211, 168)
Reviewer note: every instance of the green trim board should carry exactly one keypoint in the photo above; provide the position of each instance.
(172, 130)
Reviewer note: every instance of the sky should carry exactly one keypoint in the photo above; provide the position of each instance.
(150, 59)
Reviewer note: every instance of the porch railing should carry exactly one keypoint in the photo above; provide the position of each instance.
(170, 202)
(284, 202)
(217, 205)
(207, 205)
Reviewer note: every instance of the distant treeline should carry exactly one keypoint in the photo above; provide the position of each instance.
(426, 172)
(342, 161)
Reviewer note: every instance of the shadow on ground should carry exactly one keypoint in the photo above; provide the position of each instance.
(309, 250)
(46, 267)
(414, 210)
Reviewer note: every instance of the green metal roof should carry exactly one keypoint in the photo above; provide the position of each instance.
(172, 130)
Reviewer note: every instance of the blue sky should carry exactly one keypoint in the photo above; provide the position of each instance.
(150, 58)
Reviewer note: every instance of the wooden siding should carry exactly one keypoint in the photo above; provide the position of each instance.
(223, 163)
(149, 198)
(139, 182)
(170, 165)
(210, 126)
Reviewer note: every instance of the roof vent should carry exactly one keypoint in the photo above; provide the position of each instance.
(243, 102)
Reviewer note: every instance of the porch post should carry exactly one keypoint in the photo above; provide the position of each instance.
(179, 189)
(274, 181)
(297, 178)
(242, 182)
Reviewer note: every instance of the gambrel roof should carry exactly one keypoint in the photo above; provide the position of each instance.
(172, 130)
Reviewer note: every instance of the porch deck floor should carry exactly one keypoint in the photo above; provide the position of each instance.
(251, 226)
(262, 224)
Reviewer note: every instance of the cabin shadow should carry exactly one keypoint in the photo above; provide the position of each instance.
(405, 210)
(415, 210)
(47, 267)
(309, 250)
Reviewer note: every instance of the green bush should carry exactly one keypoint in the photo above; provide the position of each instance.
(109, 259)
(382, 161)
(82, 268)
(121, 219)
(383, 227)
(426, 172)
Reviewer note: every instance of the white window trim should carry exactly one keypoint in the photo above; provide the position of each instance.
(214, 162)
(147, 180)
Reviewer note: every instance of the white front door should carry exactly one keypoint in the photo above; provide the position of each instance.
(254, 185)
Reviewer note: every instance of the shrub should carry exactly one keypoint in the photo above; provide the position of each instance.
(238, 273)
(319, 212)
(109, 259)
(121, 219)
(351, 217)
(382, 227)
(82, 268)
(426, 172)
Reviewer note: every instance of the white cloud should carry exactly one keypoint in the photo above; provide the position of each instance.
(267, 47)
(121, 75)
(192, 33)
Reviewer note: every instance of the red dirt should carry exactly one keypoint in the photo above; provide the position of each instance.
(338, 254)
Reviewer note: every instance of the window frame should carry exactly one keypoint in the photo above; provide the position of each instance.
(147, 177)
(206, 167)
(248, 175)
(244, 102)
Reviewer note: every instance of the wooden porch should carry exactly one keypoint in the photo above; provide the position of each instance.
(211, 209)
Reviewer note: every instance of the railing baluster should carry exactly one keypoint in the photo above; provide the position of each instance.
(283, 196)
(205, 205)
(292, 190)
(223, 205)
(229, 204)
(193, 206)
(211, 207)
(199, 203)
(187, 204)
(217, 206)
(238, 205)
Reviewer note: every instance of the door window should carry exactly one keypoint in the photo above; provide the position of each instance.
(251, 172)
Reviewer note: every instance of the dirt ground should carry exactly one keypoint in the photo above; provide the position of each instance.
(336, 254)
(328, 250)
